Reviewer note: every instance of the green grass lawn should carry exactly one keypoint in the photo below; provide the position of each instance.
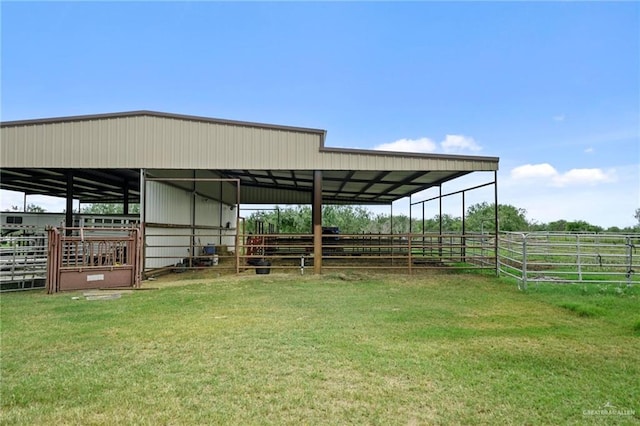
(342, 348)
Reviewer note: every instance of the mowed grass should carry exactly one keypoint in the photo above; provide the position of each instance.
(342, 348)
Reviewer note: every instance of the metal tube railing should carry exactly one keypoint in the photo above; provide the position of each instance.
(568, 258)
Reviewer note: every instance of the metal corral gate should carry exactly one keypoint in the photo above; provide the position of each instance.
(569, 258)
(23, 261)
(90, 258)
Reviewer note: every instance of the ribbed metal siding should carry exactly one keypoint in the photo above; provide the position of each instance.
(153, 142)
(268, 195)
(161, 142)
(346, 161)
(170, 205)
(167, 204)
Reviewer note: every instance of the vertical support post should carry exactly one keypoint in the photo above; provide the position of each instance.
(192, 245)
(237, 239)
(464, 240)
(578, 257)
(278, 223)
(137, 270)
(497, 231)
(391, 232)
(125, 196)
(316, 213)
(221, 214)
(143, 220)
(410, 255)
(410, 221)
(423, 241)
(52, 260)
(524, 262)
(630, 247)
(440, 220)
(68, 220)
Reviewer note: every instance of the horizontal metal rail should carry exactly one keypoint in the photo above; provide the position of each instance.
(406, 252)
(23, 263)
(569, 258)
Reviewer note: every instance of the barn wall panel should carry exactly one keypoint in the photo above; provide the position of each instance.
(167, 204)
(147, 141)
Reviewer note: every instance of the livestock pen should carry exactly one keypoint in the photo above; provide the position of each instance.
(587, 258)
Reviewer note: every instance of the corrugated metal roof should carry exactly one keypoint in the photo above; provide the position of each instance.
(141, 113)
(274, 163)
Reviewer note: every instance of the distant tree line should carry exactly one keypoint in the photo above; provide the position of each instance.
(357, 220)
(109, 208)
(32, 208)
(97, 208)
(478, 218)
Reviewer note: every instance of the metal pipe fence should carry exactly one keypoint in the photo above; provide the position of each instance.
(183, 248)
(401, 252)
(23, 262)
(569, 258)
(25, 254)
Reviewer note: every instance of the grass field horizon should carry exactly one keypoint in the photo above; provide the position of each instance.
(340, 348)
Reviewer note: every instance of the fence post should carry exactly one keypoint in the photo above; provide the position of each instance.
(578, 259)
(629, 252)
(498, 263)
(524, 262)
(410, 254)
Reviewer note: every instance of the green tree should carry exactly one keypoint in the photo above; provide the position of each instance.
(557, 226)
(481, 217)
(290, 220)
(109, 208)
(297, 220)
(30, 208)
(380, 224)
(449, 223)
(350, 219)
(34, 208)
(582, 226)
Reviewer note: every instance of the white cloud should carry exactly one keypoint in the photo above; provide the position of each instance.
(451, 144)
(584, 177)
(459, 143)
(422, 145)
(546, 174)
(589, 150)
(559, 117)
(576, 195)
(534, 171)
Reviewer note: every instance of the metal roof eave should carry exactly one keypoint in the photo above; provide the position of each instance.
(148, 113)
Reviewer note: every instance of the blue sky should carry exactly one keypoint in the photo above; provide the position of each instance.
(552, 88)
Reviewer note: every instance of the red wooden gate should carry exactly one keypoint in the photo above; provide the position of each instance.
(90, 258)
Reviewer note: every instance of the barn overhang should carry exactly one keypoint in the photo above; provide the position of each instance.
(110, 157)
(275, 164)
(367, 187)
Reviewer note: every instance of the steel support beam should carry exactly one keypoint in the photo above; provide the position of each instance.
(497, 223)
(125, 201)
(68, 220)
(316, 213)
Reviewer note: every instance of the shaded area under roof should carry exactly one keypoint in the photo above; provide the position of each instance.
(258, 186)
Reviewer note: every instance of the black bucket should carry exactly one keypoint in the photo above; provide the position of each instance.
(263, 267)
